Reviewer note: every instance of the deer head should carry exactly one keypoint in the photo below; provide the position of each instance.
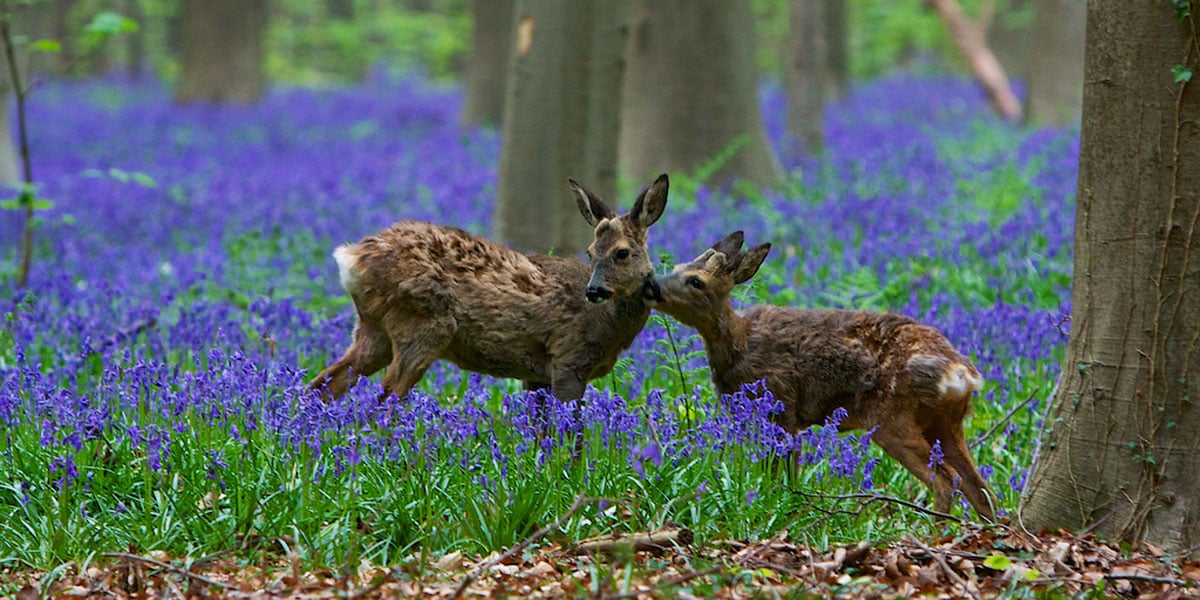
(620, 261)
(695, 287)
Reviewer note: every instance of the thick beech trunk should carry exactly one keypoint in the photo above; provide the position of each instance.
(1056, 78)
(1122, 447)
(221, 51)
(691, 92)
(561, 118)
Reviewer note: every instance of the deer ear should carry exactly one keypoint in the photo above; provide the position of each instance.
(651, 202)
(715, 261)
(590, 206)
(731, 244)
(748, 262)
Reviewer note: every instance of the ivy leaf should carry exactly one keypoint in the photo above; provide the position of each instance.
(998, 562)
(1182, 75)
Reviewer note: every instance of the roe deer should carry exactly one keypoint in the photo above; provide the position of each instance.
(424, 292)
(889, 371)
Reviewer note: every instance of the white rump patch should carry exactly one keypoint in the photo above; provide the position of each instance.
(959, 381)
(346, 261)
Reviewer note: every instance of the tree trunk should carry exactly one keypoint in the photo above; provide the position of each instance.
(807, 69)
(1056, 78)
(487, 67)
(1010, 34)
(691, 92)
(561, 119)
(971, 43)
(837, 40)
(1122, 448)
(135, 50)
(9, 166)
(221, 51)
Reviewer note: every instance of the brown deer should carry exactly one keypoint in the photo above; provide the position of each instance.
(889, 371)
(424, 292)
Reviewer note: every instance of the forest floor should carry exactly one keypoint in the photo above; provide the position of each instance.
(979, 562)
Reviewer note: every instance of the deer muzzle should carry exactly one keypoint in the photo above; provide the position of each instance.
(597, 294)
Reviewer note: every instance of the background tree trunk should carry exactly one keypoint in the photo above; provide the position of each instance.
(968, 36)
(487, 65)
(807, 71)
(837, 45)
(691, 91)
(221, 51)
(561, 119)
(1122, 450)
(1056, 76)
(9, 166)
(1010, 34)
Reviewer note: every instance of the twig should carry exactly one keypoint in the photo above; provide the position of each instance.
(686, 577)
(1150, 578)
(173, 568)
(987, 434)
(880, 497)
(579, 503)
(941, 560)
(123, 334)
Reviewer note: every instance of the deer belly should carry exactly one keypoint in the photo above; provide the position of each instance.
(499, 361)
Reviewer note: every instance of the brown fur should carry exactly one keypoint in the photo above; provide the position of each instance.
(889, 371)
(425, 292)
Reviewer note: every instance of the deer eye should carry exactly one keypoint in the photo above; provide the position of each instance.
(696, 282)
(622, 254)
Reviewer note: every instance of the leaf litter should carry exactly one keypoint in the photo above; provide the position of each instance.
(978, 562)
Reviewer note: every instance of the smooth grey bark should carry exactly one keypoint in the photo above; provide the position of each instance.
(9, 166)
(561, 118)
(807, 73)
(487, 65)
(221, 51)
(1010, 36)
(1122, 448)
(837, 44)
(1055, 92)
(691, 92)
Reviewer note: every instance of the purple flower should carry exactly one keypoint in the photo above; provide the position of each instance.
(935, 457)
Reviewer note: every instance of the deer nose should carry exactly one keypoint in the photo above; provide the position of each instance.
(651, 291)
(596, 294)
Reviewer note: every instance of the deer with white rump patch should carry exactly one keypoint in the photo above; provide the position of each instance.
(424, 292)
(888, 371)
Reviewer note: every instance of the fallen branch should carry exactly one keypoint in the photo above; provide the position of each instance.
(172, 568)
(657, 541)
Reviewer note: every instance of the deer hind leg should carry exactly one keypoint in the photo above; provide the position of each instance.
(416, 343)
(957, 455)
(370, 352)
(906, 443)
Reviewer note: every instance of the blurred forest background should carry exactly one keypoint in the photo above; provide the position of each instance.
(594, 89)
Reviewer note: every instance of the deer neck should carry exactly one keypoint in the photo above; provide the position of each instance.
(726, 335)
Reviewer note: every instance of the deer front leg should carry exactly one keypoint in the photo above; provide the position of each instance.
(568, 386)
